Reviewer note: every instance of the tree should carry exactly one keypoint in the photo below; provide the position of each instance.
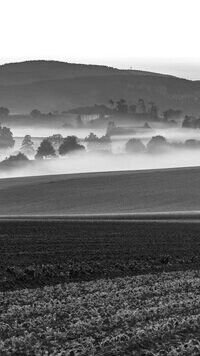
(91, 138)
(152, 110)
(35, 114)
(157, 143)
(4, 112)
(122, 107)
(56, 140)
(6, 137)
(27, 145)
(111, 128)
(172, 114)
(134, 145)
(190, 122)
(191, 143)
(45, 149)
(14, 160)
(112, 103)
(141, 107)
(70, 144)
(79, 122)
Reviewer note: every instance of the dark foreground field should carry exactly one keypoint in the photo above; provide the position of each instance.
(37, 253)
(105, 288)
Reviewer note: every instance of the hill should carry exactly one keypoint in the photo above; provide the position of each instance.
(166, 190)
(32, 71)
(49, 85)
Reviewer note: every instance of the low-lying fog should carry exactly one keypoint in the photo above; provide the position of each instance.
(117, 160)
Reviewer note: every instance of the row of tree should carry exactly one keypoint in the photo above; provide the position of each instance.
(159, 144)
(69, 144)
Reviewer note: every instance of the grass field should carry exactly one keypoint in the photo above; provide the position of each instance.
(114, 192)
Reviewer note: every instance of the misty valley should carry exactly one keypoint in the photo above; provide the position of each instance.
(99, 178)
(97, 138)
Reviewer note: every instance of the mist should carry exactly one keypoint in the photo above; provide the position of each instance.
(116, 160)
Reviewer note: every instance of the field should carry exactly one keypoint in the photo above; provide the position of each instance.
(111, 192)
(95, 287)
(110, 285)
(143, 315)
(36, 253)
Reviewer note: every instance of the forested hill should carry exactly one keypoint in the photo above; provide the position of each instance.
(51, 85)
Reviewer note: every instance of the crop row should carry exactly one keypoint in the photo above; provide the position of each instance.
(154, 314)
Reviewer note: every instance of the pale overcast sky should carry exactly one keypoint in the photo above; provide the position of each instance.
(156, 35)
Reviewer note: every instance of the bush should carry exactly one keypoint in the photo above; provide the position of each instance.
(135, 146)
(70, 144)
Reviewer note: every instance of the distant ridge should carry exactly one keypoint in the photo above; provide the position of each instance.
(53, 85)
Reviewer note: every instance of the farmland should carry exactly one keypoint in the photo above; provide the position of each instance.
(38, 253)
(91, 287)
(143, 315)
(160, 190)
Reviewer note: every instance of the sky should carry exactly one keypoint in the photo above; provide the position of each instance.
(155, 35)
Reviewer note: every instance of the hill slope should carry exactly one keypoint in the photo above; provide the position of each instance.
(114, 192)
(49, 85)
(32, 71)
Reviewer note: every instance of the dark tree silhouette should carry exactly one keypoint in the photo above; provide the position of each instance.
(6, 137)
(70, 144)
(172, 114)
(56, 140)
(135, 146)
(45, 149)
(79, 122)
(35, 113)
(157, 144)
(27, 144)
(122, 107)
(152, 110)
(112, 103)
(14, 161)
(4, 112)
(91, 138)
